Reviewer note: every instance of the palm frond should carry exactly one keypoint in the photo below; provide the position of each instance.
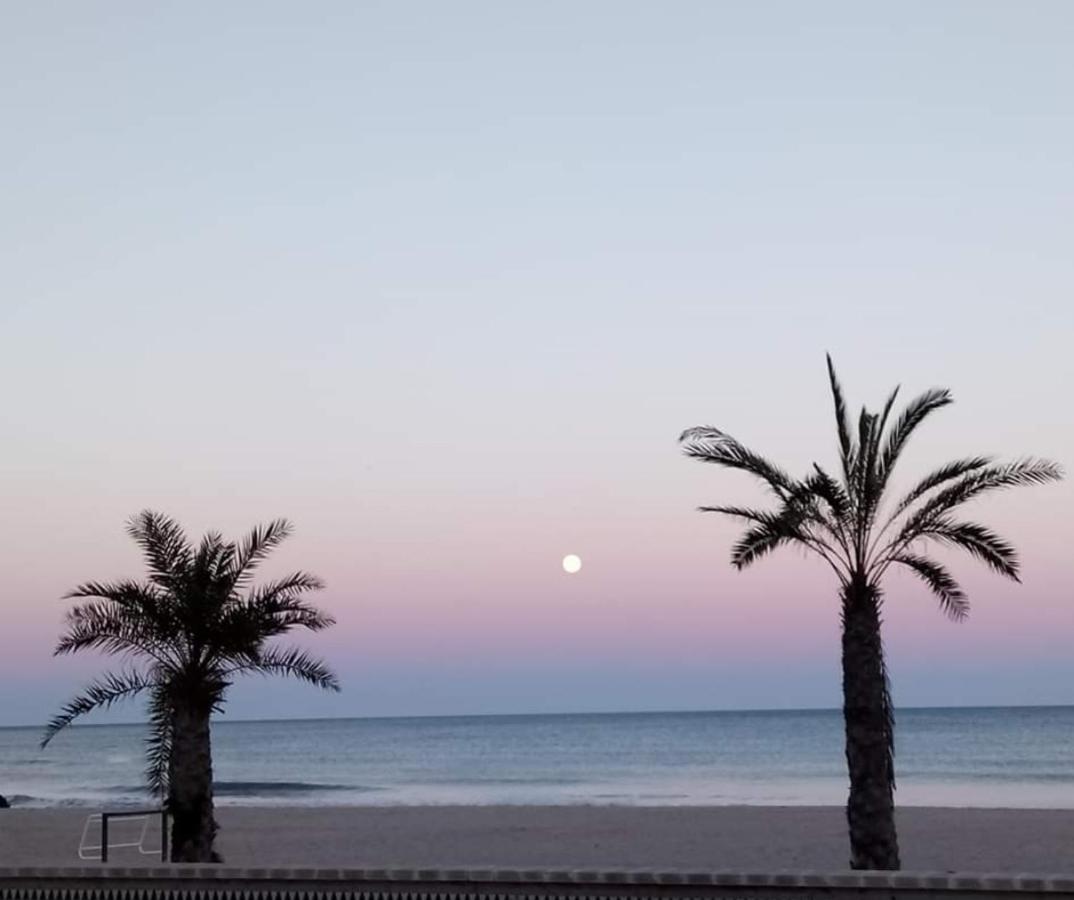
(979, 541)
(126, 593)
(942, 475)
(128, 620)
(885, 415)
(207, 556)
(800, 520)
(147, 604)
(831, 492)
(286, 587)
(975, 483)
(281, 601)
(91, 627)
(873, 479)
(842, 422)
(763, 539)
(256, 546)
(273, 609)
(739, 512)
(164, 544)
(834, 512)
(204, 594)
(711, 445)
(102, 693)
(298, 614)
(158, 742)
(866, 482)
(915, 412)
(952, 599)
(289, 661)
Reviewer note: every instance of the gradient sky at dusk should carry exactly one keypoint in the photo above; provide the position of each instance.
(443, 283)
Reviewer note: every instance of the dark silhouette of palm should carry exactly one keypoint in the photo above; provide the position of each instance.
(187, 632)
(845, 520)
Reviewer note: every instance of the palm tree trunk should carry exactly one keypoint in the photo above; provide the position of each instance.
(869, 721)
(190, 794)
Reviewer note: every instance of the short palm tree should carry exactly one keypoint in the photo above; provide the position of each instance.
(847, 521)
(187, 632)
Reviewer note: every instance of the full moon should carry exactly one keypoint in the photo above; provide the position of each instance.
(571, 563)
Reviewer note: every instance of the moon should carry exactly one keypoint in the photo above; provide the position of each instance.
(571, 563)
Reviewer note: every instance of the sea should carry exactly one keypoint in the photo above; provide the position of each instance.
(968, 757)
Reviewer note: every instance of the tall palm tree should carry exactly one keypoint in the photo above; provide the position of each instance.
(847, 521)
(187, 632)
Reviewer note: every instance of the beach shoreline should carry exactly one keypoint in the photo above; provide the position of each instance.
(714, 838)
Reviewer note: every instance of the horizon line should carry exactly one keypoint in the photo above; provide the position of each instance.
(534, 715)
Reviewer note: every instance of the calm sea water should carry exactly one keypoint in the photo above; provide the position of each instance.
(1015, 757)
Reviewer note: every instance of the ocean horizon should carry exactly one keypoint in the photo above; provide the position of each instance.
(986, 756)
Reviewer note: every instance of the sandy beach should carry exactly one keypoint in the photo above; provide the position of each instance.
(694, 838)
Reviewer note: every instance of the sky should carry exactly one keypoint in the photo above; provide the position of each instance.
(442, 284)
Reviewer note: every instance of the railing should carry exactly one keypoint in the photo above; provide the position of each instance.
(215, 882)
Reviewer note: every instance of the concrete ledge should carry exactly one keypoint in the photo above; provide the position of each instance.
(454, 880)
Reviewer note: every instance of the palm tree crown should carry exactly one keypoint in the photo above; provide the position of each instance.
(843, 519)
(186, 632)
